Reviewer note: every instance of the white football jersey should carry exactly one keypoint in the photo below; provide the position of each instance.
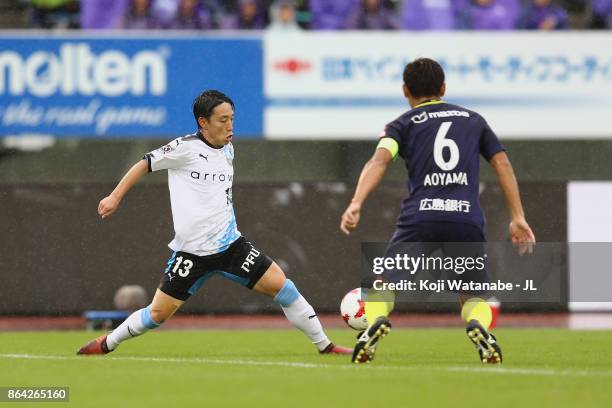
(200, 182)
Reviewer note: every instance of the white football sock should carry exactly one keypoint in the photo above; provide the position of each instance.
(303, 316)
(136, 324)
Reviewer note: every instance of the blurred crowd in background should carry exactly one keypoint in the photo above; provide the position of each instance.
(295, 15)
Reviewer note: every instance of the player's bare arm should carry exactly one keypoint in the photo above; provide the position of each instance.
(371, 175)
(520, 232)
(108, 205)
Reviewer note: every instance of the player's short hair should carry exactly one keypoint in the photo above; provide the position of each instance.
(423, 77)
(206, 102)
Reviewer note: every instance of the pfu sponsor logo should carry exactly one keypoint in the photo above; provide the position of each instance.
(76, 70)
(250, 260)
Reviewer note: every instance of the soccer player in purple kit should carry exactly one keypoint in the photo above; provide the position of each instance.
(441, 145)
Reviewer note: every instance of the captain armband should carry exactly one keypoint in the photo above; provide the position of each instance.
(389, 144)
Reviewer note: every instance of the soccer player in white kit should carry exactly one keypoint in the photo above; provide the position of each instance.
(207, 240)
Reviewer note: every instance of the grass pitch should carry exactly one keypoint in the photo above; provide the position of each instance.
(279, 368)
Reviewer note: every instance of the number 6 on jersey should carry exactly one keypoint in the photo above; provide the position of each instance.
(440, 143)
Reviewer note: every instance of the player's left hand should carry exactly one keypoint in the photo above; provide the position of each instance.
(350, 218)
(522, 236)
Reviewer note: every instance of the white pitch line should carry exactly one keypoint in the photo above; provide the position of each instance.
(170, 360)
(256, 363)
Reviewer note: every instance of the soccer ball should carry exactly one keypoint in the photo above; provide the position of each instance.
(352, 309)
(130, 297)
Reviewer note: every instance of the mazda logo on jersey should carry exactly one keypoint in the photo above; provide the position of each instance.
(420, 118)
(212, 177)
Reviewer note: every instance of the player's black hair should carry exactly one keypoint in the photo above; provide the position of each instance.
(205, 102)
(423, 77)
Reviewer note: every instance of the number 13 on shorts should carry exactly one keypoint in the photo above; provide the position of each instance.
(182, 266)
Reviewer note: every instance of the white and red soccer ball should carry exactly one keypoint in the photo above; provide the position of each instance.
(352, 309)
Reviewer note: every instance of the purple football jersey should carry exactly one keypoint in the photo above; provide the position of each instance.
(441, 146)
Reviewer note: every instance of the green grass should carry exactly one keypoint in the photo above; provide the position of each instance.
(278, 368)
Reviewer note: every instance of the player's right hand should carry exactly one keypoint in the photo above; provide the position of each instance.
(350, 218)
(522, 236)
(107, 206)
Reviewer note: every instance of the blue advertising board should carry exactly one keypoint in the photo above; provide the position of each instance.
(83, 86)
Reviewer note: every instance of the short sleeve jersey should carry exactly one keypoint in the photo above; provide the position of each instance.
(200, 182)
(441, 146)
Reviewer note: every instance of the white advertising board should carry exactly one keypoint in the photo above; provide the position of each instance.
(527, 85)
(589, 224)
